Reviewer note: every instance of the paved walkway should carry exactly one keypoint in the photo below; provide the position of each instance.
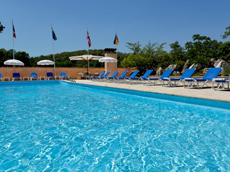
(205, 93)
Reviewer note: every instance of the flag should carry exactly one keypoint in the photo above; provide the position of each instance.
(88, 38)
(53, 34)
(14, 34)
(116, 41)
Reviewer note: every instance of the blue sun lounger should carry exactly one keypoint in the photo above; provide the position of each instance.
(63, 75)
(50, 75)
(133, 75)
(113, 76)
(34, 75)
(221, 83)
(174, 81)
(91, 77)
(210, 75)
(143, 78)
(16, 76)
(101, 77)
(105, 76)
(166, 74)
(122, 76)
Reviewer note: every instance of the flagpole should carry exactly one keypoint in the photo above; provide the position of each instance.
(13, 43)
(53, 53)
(116, 45)
(88, 54)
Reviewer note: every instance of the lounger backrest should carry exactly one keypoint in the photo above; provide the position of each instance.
(49, 74)
(123, 75)
(146, 74)
(107, 73)
(187, 73)
(212, 73)
(34, 75)
(166, 74)
(16, 75)
(114, 74)
(134, 74)
(0, 75)
(102, 73)
(62, 74)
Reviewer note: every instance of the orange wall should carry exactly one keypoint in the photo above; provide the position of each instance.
(41, 71)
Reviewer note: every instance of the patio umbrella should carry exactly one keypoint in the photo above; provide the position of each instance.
(14, 62)
(87, 58)
(107, 59)
(45, 63)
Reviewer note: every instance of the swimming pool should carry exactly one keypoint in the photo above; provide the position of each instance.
(47, 126)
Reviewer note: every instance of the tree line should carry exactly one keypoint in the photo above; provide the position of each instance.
(61, 59)
(200, 50)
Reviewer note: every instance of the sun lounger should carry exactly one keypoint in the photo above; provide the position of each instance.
(50, 75)
(210, 75)
(221, 83)
(34, 75)
(16, 76)
(63, 75)
(122, 76)
(174, 81)
(112, 77)
(104, 76)
(91, 77)
(133, 75)
(141, 79)
(166, 74)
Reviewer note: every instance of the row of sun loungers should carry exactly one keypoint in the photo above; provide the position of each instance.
(34, 76)
(165, 80)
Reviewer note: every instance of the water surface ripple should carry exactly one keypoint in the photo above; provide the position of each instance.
(61, 127)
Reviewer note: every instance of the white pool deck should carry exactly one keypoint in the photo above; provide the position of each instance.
(205, 93)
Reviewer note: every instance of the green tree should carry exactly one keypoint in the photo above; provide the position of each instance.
(3, 56)
(224, 51)
(134, 47)
(226, 33)
(201, 50)
(162, 57)
(24, 57)
(177, 54)
(1, 27)
(138, 61)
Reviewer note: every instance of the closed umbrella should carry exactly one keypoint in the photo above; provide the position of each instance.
(87, 58)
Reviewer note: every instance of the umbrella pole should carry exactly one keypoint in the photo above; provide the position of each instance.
(88, 67)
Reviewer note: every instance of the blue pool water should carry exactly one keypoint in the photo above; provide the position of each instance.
(55, 126)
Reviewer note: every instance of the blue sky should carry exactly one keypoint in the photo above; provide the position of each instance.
(133, 20)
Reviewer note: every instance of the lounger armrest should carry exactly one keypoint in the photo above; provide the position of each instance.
(166, 78)
(218, 79)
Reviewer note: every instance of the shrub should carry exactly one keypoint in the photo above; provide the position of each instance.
(226, 71)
